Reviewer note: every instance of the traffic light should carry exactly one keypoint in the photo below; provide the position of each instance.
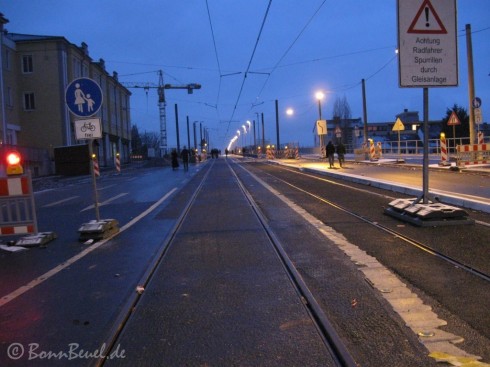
(14, 166)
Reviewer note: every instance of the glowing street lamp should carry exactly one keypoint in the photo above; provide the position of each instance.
(319, 96)
(289, 112)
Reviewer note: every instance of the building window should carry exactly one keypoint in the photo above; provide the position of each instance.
(10, 99)
(27, 65)
(29, 101)
(7, 59)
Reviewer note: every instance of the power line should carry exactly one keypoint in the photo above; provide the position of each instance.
(248, 66)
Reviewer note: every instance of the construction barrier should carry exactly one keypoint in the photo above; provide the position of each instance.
(270, 153)
(473, 154)
(95, 163)
(444, 160)
(17, 210)
(117, 163)
(372, 153)
(379, 150)
(481, 137)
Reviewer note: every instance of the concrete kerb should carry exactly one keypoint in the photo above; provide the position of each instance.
(443, 197)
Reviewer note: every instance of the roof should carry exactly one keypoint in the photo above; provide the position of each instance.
(17, 37)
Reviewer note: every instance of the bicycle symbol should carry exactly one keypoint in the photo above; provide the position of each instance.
(87, 126)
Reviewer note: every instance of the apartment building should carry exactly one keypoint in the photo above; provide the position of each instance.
(35, 71)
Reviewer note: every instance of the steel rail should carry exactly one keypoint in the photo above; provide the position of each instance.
(331, 338)
(127, 310)
(401, 236)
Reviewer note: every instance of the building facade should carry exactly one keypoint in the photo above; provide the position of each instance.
(35, 71)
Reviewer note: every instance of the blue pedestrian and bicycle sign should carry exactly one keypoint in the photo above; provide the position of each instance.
(83, 97)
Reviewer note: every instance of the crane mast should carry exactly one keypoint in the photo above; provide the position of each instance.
(162, 102)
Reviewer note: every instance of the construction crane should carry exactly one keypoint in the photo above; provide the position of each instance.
(160, 87)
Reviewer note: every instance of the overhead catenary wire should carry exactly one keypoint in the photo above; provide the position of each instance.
(248, 66)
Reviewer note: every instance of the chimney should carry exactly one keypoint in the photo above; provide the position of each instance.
(85, 48)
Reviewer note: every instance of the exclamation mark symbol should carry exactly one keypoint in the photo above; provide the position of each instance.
(427, 24)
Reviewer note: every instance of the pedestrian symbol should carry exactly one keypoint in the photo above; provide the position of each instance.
(427, 21)
(83, 97)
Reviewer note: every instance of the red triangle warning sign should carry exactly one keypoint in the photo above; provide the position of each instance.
(453, 120)
(427, 21)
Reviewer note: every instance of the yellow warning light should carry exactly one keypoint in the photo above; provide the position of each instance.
(13, 163)
(443, 135)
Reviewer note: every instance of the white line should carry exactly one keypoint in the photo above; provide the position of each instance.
(60, 201)
(105, 202)
(23, 289)
(105, 187)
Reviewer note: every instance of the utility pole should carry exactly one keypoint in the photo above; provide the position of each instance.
(471, 82)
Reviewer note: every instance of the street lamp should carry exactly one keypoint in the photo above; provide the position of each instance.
(289, 112)
(319, 96)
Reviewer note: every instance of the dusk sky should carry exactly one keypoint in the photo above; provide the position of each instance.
(248, 53)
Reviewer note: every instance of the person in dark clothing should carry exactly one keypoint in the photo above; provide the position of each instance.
(330, 151)
(175, 159)
(341, 154)
(185, 158)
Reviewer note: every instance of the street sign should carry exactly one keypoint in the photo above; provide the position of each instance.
(398, 125)
(476, 102)
(88, 129)
(453, 120)
(83, 97)
(321, 127)
(478, 116)
(427, 45)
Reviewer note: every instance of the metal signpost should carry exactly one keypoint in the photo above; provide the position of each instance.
(83, 97)
(398, 127)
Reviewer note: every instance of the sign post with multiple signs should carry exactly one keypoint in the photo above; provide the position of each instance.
(83, 97)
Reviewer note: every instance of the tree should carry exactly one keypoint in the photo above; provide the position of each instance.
(135, 140)
(342, 115)
(462, 130)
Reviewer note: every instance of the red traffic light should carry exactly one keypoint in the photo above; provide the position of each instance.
(13, 163)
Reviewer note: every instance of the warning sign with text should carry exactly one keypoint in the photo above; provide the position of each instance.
(427, 45)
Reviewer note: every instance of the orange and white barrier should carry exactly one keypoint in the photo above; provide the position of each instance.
(379, 150)
(372, 154)
(18, 214)
(444, 160)
(95, 164)
(117, 163)
(473, 154)
(481, 137)
(296, 153)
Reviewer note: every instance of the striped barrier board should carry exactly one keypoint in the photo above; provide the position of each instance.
(473, 154)
(17, 210)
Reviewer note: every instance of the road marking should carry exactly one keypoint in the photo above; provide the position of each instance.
(105, 187)
(105, 202)
(60, 201)
(41, 279)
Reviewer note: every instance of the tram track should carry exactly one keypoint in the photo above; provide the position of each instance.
(127, 310)
(451, 276)
(325, 327)
(398, 234)
(338, 351)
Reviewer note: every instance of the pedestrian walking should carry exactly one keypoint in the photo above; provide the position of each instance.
(341, 154)
(330, 151)
(185, 158)
(175, 159)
